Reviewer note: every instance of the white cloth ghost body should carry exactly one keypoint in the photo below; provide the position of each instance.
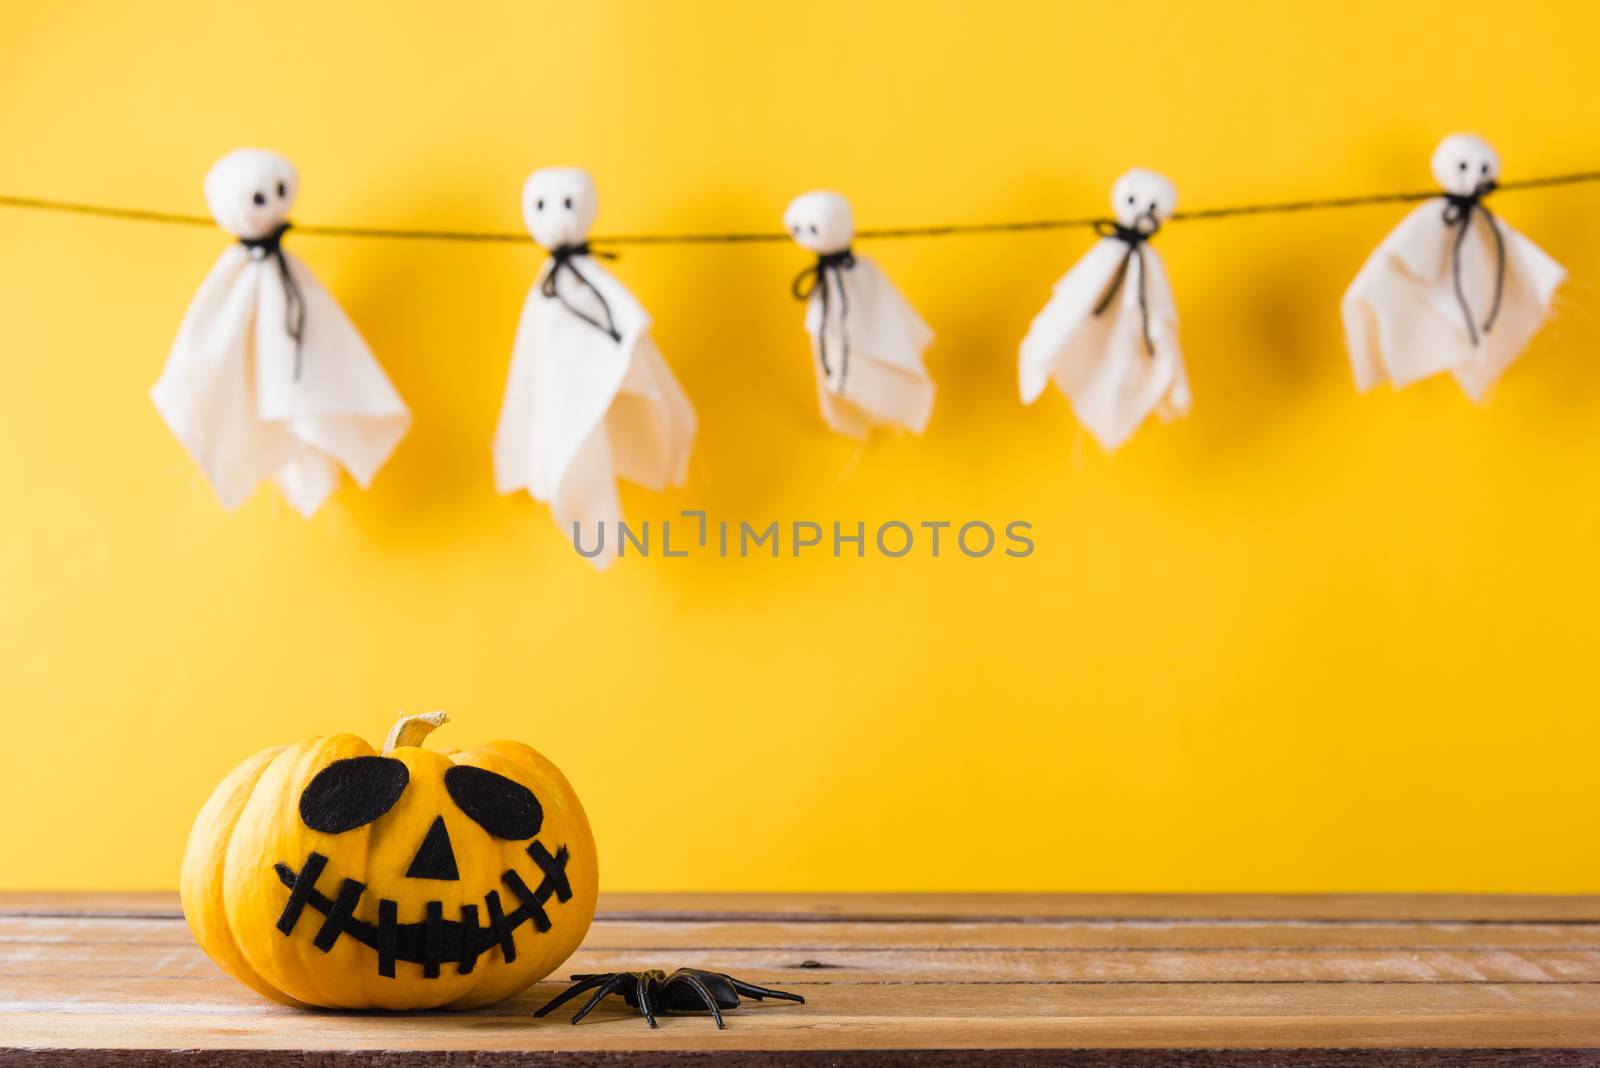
(244, 395)
(1437, 294)
(589, 398)
(1109, 334)
(866, 339)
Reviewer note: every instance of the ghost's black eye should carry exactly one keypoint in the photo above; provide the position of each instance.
(1463, 164)
(813, 228)
(567, 203)
(352, 793)
(1130, 198)
(538, 205)
(1484, 169)
(504, 808)
(260, 199)
(283, 190)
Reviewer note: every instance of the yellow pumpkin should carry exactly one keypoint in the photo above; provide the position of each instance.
(325, 874)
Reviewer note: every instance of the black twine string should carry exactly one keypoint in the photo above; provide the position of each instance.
(815, 279)
(1134, 238)
(1458, 210)
(561, 260)
(294, 305)
(773, 237)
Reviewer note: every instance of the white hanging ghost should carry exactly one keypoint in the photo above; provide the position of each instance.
(867, 339)
(1452, 288)
(1109, 333)
(268, 378)
(589, 398)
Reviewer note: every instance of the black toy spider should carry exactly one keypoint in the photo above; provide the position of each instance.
(685, 990)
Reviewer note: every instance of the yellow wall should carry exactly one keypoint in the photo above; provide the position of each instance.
(1301, 640)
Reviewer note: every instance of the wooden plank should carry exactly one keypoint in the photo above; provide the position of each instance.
(1082, 935)
(939, 908)
(1347, 1056)
(1023, 908)
(984, 977)
(897, 999)
(772, 1029)
(136, 965)
(89, 903)
(610, 933)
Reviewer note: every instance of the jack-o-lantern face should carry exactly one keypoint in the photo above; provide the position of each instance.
(351, 793)
(409, 879)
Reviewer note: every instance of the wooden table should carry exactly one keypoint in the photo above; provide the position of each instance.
(889, 980)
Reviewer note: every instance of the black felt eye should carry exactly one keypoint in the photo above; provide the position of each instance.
(1130, 198)
(504, 808)
(568, 203)
(283, 190)
(1463, 164)
(538, 205)
(352, 793)
(813, 228)
(260, 199)
(1484, 168)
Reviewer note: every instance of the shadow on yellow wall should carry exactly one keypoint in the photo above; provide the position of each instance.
(1300, 640)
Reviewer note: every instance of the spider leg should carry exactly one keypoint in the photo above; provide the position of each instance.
(641, 990)
(610, 987)
(750, 990)
(705, 995)
(585, 982)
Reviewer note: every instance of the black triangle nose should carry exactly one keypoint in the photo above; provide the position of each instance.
(435, 859)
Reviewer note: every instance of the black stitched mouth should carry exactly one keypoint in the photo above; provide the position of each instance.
(435, 939)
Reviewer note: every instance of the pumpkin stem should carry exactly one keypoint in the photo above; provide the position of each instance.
(410, 730)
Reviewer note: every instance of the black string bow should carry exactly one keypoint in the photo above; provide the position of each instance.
(1134, 238)
(815, 279)
(561, 260)
(1458, 209)
(294, 305)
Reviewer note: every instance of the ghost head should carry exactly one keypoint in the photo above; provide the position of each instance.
(559, 206)
(820, 222)
(1142, 200)
(1465, 164)
(250, 191)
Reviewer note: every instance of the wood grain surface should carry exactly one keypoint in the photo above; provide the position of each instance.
(889, 980)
